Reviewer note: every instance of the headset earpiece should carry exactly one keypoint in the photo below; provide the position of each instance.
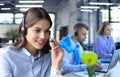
(76, 33)
(23, 30)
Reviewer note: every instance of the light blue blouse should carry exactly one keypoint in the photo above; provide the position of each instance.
(69, 63)
(20, 63)
(103, 48)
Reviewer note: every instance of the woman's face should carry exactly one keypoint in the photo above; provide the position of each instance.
(107, 30)
(38, 34)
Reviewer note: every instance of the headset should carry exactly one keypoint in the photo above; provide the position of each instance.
(76, 32)
(78, 26)
(23, 28)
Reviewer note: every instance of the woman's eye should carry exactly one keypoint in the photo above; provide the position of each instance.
(37, 31)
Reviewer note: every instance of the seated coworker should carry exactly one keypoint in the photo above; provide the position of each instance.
(103, 43)
(30, 55)
(73, 50)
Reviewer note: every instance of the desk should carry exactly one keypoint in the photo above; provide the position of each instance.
(82, 74)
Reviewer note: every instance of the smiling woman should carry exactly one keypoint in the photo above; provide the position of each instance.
(30, 56)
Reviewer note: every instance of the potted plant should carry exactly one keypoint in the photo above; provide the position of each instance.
(12, 34)
(89, 58)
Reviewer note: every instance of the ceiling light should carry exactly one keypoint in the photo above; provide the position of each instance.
(31, 1)
(99, 3)
(23, 9)
(5, 8)
(115, 8)
(85, 10)
(90, 7)
(28, 6)
(1, 4)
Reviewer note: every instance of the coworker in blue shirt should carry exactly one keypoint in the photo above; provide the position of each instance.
(72, 49)
(103, 43)
(30, 56)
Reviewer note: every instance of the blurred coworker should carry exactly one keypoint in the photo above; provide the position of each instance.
(114, 68)
(115, 59)
(72, 49)
(115, 71)
(103, 44)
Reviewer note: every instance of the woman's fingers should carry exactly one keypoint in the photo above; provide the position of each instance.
(57, 54)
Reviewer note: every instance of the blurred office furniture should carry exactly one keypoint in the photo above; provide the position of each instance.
(63, 31)
(117, 44)
(87, 47)
(3, 42)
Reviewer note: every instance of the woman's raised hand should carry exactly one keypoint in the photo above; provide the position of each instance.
(57, 54)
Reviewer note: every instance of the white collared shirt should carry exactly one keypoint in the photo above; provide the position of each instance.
(20, 63)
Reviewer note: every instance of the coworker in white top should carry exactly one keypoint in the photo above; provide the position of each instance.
(115, 71)
(114, 68)
(73, 50)
(30, 55)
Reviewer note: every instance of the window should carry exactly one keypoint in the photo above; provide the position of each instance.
(104, 15)
(18, 18)
(115, 33)
(115, 15)
(6, 18)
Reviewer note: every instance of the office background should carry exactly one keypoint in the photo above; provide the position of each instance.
(64, 14)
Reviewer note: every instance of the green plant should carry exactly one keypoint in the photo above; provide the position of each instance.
(89, 58)
(12, 34)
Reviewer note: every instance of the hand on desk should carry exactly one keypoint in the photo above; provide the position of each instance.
(97, 66)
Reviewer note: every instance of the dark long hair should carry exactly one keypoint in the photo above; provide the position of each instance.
(30, 18)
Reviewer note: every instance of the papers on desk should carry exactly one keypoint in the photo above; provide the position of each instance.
(85, 74)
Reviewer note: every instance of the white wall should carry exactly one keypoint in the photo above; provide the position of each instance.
(62, 15)
(66, 15)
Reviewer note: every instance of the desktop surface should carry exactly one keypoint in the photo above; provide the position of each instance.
(82, 74)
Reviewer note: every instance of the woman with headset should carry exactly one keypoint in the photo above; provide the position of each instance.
(103, 43)
(30, 56)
